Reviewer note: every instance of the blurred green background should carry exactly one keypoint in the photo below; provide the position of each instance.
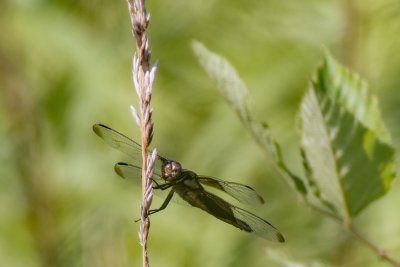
(65, 65)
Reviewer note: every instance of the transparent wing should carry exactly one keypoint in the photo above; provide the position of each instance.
(259, 226)
(247, 221)
(134, 174)
(243, 193)
(125, 145)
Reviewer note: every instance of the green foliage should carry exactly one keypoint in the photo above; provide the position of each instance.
(347, 156)
(347, 159)
(345, 141)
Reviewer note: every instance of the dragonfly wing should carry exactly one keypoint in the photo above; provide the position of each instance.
(259, 226)
(125, 145)
(118, 141)
(134, 174)
(243, 193)
(244, 220)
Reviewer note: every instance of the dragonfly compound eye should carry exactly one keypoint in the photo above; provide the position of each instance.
(171, 169)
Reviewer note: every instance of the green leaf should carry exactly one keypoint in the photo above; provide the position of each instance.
(353, 94)
(236, 94)
(346, 146)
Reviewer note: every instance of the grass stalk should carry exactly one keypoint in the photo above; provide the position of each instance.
(143, 77)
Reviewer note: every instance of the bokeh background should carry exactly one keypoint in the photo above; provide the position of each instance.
(65, 65)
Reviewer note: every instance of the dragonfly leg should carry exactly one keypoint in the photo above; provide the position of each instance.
(162, 186)
(154, 181)
(165, 204)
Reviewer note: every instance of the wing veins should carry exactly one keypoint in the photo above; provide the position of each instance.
(258, 225)
(243, 193)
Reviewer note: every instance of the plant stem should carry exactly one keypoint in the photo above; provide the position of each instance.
(377, 250)
(143, 76)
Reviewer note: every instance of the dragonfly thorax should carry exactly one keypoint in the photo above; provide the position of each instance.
(171, 169)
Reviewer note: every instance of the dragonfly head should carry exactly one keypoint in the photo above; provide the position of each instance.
(171, 170)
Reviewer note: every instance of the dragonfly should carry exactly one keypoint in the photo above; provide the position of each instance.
(170, 178)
